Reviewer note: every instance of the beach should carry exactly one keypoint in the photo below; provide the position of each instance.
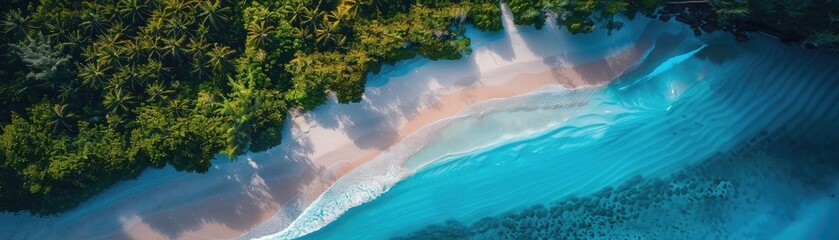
(322, 145)
(653, 130)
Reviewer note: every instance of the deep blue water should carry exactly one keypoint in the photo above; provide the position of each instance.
(707, 138)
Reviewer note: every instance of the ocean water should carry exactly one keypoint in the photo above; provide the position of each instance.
(704, 138)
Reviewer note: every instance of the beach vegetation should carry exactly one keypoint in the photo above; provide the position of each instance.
(97, 91)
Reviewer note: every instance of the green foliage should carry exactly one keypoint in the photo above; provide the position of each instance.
(648, 6)
(811, 21)
(47, 64)
(16, 25)
(527, 12)
(98, 91)
(578, 16)
(95, 92)
(586, 16)
(485, 16)
(254, 112)
(728, 10)
(312, 76)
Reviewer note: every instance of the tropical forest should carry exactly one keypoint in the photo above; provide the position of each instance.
(94, 92)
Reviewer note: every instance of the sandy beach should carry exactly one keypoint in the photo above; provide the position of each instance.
(446, 106)
(588, 75)
(321, 146)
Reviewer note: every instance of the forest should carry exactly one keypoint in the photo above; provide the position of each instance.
(97, 91)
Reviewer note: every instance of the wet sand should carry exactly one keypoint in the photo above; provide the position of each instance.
(322, 145)
(584, 75)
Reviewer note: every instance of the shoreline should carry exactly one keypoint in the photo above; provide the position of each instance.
(235, 197)
(584, 75)
(446, 107)
(330, 142)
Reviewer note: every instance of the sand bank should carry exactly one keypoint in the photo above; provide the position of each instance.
(323, 145)
(586, 74)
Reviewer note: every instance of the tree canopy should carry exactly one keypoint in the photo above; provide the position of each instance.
(97, 91)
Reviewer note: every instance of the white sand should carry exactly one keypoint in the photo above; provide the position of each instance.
(322, 145)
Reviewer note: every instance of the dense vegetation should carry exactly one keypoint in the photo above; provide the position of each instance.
(96, 91)
(811, 22)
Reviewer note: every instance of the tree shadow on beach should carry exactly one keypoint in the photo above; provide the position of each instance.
(256, 184)
(286, 175)
(589, 66)
(375, 122)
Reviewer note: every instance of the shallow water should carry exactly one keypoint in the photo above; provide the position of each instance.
(706, 137)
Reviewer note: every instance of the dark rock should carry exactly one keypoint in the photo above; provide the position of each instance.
(674, 8)
(709, 27)
(664, 17)
(689, 20)
(697, 33)
(741, 37)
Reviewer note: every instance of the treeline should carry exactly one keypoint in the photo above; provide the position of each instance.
(96, 91)
(812, 23)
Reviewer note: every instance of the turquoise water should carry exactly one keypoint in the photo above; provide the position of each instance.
(705, 138)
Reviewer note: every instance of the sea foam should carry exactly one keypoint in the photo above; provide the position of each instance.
(712, 102)
(477, 128)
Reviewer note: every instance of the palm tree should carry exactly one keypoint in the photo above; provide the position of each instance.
(133, 10)
(117, 81)
(180, 107)
(351, 6)
(152, 45)
(202, 31)
(200, 69)
(58, 29)
(377, 4)
(118, 100)
(173, 47)
(341, 13)
(197, 47)
(328, 34)
(298, 11)
(213, 13)
(258, 33)
(131, 49)
(16, 24)
(76, 42)
(302, 33)
(94, 18)
(107, 50)
(121, 29)
(179, 25)
(157, 91)
(310, 16)
(156, 24)
(109, 39)
(177, 6)
(219, 57)
(153, 69)
(61, 117)
(93, 73)
(131, 74)
(92, 53)
(67, 91)
(240, 107)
